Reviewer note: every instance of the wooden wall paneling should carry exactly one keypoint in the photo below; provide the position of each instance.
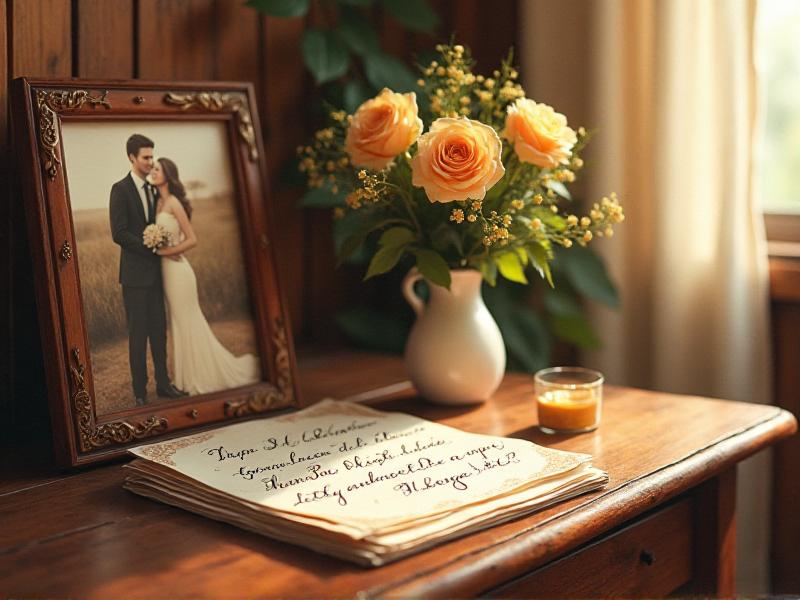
(393, 37)
(498, 32)
(105, 45)
(176, 39)
(237, 55)
(465, 26)
(785, 564)
(325, 294)
(287, 94)
(488, 28)
(5, 227)
(40, 45)
(198, 39)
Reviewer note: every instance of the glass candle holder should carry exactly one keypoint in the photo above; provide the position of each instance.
(568, 399)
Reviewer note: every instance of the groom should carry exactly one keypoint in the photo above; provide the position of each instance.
(132, 208)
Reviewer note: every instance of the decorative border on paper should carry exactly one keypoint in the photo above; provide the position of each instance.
(163, 453)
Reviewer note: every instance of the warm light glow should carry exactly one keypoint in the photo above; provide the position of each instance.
(95, 157)
(778, 63)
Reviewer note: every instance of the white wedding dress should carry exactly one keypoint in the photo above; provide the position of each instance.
(201, 364)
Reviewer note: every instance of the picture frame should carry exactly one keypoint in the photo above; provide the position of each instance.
(67, 135)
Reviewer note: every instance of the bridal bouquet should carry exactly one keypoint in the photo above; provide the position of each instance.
(155, 237)
(472, 176)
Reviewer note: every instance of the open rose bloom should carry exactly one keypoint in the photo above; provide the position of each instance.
(473, 177)
(539, 134)
(382, 128)
(458, 159)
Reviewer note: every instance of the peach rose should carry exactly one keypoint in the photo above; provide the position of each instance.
(539, 134)
(457, 159)
(382, 128)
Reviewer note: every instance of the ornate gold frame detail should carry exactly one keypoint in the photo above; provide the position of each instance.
(219, 102)
(48, 104)
(93, 436)
(277, 396)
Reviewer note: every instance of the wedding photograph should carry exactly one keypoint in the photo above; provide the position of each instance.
(163, 282)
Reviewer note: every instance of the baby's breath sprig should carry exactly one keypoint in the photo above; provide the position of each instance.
(322, 161)
(523, 213)
(448, 82)
(500, 90)
(372, 187)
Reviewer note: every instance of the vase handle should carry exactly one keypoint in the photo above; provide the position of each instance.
(412, 277)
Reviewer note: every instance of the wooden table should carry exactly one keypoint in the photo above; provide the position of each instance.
(665, 522)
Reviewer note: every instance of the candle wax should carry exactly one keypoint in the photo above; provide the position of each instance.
(568, 410)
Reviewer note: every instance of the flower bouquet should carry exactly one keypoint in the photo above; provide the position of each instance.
(471, 177)
(469, 182)
(155, 237)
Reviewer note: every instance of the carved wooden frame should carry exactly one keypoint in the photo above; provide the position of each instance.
(39, 107)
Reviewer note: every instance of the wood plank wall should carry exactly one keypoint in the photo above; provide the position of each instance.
(190, 39)
(785, 293)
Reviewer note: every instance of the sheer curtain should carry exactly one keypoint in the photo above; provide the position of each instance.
(670, 87)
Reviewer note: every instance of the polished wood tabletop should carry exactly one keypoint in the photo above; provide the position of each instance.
(80, 534)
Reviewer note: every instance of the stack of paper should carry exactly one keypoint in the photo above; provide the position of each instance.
(357, 483)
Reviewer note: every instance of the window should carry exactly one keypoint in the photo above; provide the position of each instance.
(778, 60)
(777, 177)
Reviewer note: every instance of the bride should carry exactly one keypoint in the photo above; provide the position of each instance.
(201, 363)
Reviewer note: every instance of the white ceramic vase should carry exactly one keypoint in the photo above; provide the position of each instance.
(455, 352)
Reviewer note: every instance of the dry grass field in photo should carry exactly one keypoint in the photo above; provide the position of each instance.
(221, 280)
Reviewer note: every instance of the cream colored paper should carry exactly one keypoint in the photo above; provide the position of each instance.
(355, 482)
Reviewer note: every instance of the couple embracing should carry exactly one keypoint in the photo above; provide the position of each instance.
(152, 193)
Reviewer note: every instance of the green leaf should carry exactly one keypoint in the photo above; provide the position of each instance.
(559, 188)
(352, 231)
(489, 271)
(322, 198)
(522, 255)
(550, 219)
(527, 339)
(446, 236)
(355, 93)
(539, 258)
(574, 329)
(384, 71)
(396, 236)
(324, 54)
(384, 260)
(285, 9)
(358, 33)
(433, 267)
(560, 302)
(373, 330)
(416, 15)
(587, 274)
(351, 243)
(359, 3)
(510, 267)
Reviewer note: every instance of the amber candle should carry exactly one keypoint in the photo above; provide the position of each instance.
(568, 399)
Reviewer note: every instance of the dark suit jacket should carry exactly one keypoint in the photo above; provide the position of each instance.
(138, 265)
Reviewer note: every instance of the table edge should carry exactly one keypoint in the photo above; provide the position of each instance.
(490, 566)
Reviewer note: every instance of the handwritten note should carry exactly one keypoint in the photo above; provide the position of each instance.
(352, 465)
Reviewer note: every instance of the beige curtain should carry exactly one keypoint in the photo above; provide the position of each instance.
(669, 86)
